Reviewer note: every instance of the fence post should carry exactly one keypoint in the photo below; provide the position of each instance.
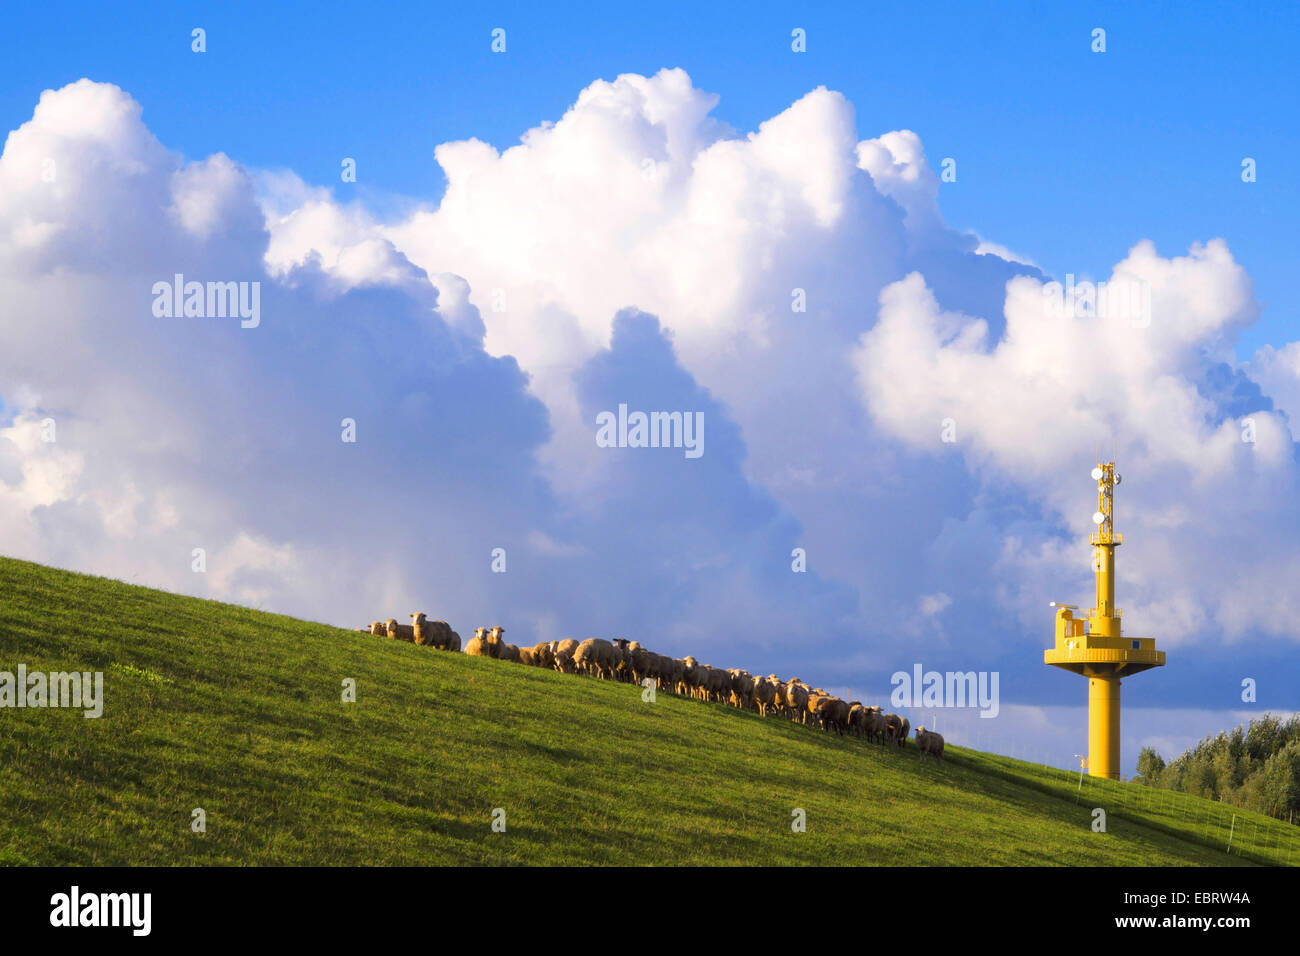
(1230, 832)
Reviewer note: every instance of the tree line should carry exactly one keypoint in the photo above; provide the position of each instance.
(1256, 767)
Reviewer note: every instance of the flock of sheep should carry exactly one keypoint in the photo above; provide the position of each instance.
(628, 661)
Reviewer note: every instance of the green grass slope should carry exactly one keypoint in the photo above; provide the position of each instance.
(239, 712)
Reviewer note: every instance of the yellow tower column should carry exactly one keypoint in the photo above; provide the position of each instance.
(1103, 727)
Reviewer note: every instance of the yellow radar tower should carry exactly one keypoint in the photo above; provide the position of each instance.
(1093, 646)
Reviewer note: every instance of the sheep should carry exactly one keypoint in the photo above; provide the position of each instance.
(742, 688)
(453, 642)
(831, 712)
(893, 727)
(640, 662)
(693, 675)
(836, 716)
(622, 659)
(541, 655)
(432, 633)
(596, 657)
(379, 628)
(508, 652)
(401, 632)
(778, 695)
(796, 699)
(478, 645)
(928, 742)
(494, 640)
(875, 721)
(718, 684)
(564, 651)
(764, 694)
(671, 672)
(858, 719)
(902, 732)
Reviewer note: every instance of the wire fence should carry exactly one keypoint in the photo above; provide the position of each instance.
(1236, 832)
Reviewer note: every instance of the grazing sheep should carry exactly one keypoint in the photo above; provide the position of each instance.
(621, 666)
(928, 742)
(401, 632)
(831, 712)
(509, 652)
(453, 642)
(596, 657)
(379, 628)
(541, 655)
(902, 732)
(478, 645)
(893, 727)
(835, 716)
(564, 651)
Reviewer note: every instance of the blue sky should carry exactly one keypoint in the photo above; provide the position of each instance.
(1065, 156)
(671, 292)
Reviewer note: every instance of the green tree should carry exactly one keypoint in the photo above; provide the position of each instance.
(1150, 766)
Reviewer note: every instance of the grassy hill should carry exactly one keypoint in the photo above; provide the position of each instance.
(239, 712)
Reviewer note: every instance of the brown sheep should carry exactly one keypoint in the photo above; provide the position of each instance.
(718, 684)
(742, 688)
(542, 656)
(903, 731)
(858, 719)
(928, 742)
(875, 721)
(764, 694)
(379, 628)
(893, 727)
(508, 652)
(826, 710)
(835, 716)
(401, 632)
(796, 700)
(640, 662)
(778, 695)
(671, 672)
(431, 633)
(622, 665)
(693, 677)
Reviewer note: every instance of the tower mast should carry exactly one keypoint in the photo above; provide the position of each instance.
(1095, 647)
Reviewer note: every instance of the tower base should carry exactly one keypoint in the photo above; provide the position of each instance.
(1103, 727)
